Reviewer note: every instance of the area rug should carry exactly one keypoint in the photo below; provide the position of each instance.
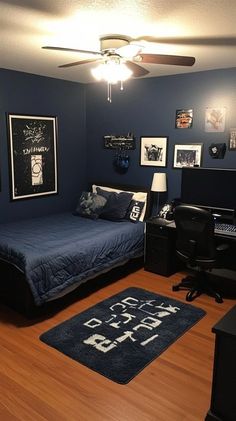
(121, 335)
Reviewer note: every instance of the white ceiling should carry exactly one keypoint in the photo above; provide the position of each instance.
(205, 29)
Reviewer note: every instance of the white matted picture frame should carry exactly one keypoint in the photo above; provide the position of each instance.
(215, 119)
(32, 155)
(153, 151)
(187, 155)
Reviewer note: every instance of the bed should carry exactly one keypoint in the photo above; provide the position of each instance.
(45, 258)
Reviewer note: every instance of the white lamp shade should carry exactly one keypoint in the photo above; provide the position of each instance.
(159, 182)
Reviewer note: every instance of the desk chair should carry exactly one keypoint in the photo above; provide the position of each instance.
(195, 245)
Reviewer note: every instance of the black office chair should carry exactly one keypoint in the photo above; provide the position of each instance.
(196, 246)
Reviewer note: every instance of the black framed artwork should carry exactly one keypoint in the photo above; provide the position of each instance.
(32, 155)
(153, 151)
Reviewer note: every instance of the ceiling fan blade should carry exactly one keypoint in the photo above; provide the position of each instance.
(165, 59)
(77, 63)
(137, 70)
(217, 41)
(74, 50)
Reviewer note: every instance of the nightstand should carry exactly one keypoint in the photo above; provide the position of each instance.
(160, 256)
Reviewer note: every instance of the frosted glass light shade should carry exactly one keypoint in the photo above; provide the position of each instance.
(112, 72)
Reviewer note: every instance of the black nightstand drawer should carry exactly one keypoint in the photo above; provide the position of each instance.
(155, 229)
(160, 255)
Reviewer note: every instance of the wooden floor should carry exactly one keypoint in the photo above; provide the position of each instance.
(39, 383)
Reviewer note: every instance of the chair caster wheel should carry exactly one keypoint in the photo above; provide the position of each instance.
(189, 296)
(175, 288)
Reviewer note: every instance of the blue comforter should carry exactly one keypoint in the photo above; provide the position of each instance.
(58, 251)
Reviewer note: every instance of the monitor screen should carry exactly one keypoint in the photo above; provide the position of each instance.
(209, 187)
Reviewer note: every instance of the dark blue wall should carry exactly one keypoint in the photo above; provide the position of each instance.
(147, 107)
(30, 94)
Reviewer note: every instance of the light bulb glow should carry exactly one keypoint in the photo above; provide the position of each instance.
(112, 71)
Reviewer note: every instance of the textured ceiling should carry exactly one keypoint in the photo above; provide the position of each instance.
(205, 29)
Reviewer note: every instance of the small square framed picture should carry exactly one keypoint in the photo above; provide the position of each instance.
(215, 119)
(188, 155)
(184, 119)
(153, 151)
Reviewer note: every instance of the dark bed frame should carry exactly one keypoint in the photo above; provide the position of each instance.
(15, 291)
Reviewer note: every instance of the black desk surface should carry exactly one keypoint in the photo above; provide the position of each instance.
(227, 325)
(171, 224)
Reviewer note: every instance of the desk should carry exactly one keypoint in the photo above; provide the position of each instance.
(160, 256)
(223, 403)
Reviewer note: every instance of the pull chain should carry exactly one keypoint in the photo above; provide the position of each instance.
(109, 92)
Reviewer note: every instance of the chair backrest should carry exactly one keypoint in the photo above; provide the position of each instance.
(195, 235)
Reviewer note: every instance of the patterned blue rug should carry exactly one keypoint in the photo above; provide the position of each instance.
(121, 335)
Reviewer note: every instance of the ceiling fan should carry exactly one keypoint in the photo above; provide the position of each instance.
(114, 47)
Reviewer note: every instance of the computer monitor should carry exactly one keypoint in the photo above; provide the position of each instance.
(209, 187)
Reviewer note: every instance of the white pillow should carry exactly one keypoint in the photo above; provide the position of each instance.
(140, 196)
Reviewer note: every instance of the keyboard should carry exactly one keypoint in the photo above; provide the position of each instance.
(225, 229)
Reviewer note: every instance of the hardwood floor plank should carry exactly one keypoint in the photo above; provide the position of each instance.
(39, 383)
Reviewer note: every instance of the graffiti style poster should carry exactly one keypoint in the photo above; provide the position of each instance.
(33, 155)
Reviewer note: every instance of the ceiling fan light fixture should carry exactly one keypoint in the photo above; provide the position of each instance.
(129, 51)
(112, 71)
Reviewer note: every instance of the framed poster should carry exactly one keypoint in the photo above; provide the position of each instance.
(32, 155)
(153, 151)
(188, 155)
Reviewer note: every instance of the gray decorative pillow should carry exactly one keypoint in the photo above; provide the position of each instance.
(90, 205)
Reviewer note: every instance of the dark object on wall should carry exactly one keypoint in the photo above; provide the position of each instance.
(217, 150)
(223, 403)
(117, 142)
(121, 162)
(32, 155)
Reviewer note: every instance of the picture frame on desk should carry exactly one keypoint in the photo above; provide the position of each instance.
(187, 155)
(153, 151)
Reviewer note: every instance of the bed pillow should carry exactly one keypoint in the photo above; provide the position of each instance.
(140, 196)
(134, 211)
(116, 206)
(90, 205)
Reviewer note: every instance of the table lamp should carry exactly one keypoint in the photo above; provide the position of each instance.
(158, 186)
